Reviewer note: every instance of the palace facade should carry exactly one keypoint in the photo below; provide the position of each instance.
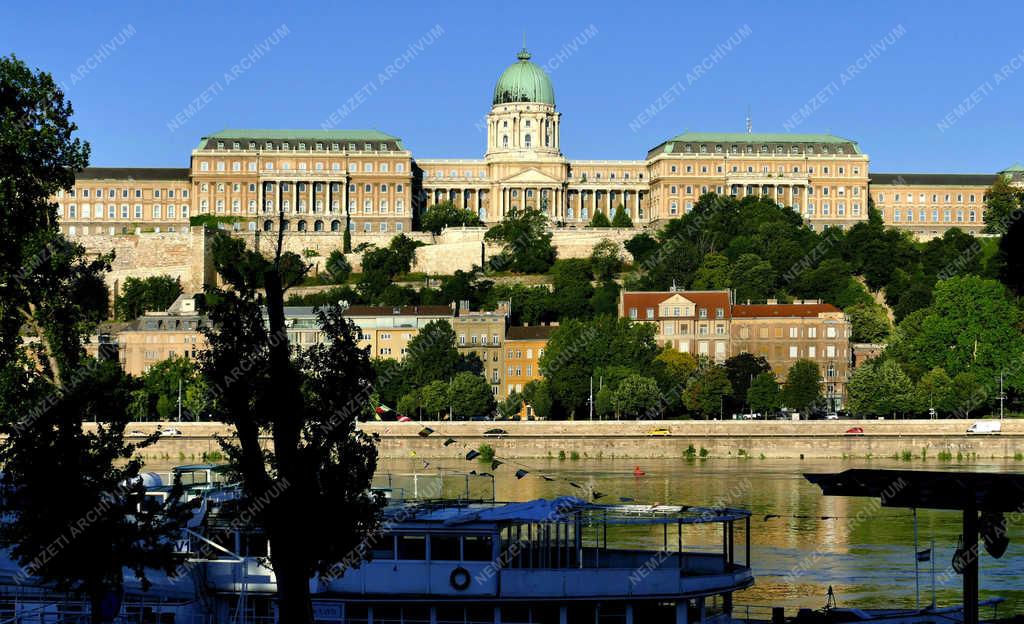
(369, 182)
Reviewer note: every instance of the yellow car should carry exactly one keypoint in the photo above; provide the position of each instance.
(659, 432)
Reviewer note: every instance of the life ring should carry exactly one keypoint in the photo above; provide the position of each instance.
(460, 578)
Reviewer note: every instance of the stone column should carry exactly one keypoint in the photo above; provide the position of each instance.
(312, 197)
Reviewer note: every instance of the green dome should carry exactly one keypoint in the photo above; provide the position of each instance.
(524, 82)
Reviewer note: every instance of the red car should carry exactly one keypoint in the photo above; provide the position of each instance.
(855, 431)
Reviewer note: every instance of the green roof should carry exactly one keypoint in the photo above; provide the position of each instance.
(744, 137)
(524, 81)
(1012, 168)
(325, 135)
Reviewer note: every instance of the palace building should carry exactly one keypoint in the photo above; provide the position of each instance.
(369, 182)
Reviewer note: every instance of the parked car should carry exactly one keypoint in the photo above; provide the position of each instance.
(832, 416)
(495, 433)
(855, 431)
(169, 432)
(992, 427)
(660, 432)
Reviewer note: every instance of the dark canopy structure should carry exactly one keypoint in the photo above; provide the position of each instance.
(968, 492)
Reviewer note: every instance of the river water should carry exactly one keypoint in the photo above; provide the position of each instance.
(864, 552)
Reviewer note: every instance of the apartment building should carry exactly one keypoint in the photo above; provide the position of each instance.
(482, 333)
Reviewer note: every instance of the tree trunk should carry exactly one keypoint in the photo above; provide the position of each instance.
(294, 604)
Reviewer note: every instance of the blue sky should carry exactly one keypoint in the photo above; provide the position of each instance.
(922, 86)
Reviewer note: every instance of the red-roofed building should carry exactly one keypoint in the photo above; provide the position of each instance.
(693, 321)
(708, 323)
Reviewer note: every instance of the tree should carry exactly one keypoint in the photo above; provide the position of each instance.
(338, 267)
(431, 354)
(933, 391)
(537, 394)
(641, 247)
(599, 220)
(605, 301)
(880, 388)
(621, 218)
(803, 385)
(763, 394)
(572, 291)
(1001, 202)
(53, 296)
(444, 215)
(1010, 257)
(967, 393)
(869, 323)
(635, 395)
(752, 278)
(160, 385)
(741, 369)
(606, 259)
(579, 347)
(706, 391)
(512, 406)
(972, 326)
(713, 273)
(308, 403)
(470, 396)
(148, 294)
(435, 397)
(678, 366)
(525, 240)
(410, 404)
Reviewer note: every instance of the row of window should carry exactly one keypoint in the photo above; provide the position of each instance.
(156, 211)
(125, 193)
(765, 149)
(909, 198)
(84, 230)
(518, 353)
(766, 169)
(301, 187)
(794, 331)
(301, 146)
(384, 206)
(236, 166)
(495, 339)
(899, 216)
(678, 311)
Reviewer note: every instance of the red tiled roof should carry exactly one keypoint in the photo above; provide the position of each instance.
(782, 310)
(707, 299)
(530, 332)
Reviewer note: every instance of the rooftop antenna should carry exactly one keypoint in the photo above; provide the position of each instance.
(750, 122)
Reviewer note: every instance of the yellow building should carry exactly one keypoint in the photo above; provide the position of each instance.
(524, 346)
(482, 333)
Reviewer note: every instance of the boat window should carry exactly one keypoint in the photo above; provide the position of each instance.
(384, 548)
(476, 548)
(357, 613)
(444, 547)
(412, 547)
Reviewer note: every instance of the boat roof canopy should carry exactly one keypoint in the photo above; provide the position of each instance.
(927, 489)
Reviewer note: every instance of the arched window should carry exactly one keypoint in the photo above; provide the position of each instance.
(302, 226)
(526, 140)
(504, 141)
(335, 226)
(268, 226)
(318, 226)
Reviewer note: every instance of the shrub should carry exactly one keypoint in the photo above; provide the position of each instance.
(486, 452)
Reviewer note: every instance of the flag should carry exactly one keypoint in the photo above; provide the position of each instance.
(925, 555)
(547, 478)
(382, 409)
(597, 495)
(403, 419)
(472, 455)
(449, 441)
(625, 499)
(496, 463)
(521, 473)
(424, 432)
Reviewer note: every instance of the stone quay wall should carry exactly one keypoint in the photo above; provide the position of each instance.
(728, 439)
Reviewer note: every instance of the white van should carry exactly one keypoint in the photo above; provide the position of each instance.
(986, 426)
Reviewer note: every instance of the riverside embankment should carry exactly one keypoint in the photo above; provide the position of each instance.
(904, 439)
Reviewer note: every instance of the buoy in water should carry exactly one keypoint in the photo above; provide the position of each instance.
(637, 472)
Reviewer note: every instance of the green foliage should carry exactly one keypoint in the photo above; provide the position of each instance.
(445, 214)
(537, 394)
(635, 395)
(470, 396)
(742, 369)
(641, 247)
(880, 388)
(525, 240)
(53, 295)
(486, 453)
(572, 290)
(803, 385)
(599, 220)
(606, 259)
(511, 407)
(431, 354)
(713, 273)
(752, 278)
(1009, 260)
(574, 456)
(972, 326)
(707, 389)
(763, 394)
(933, 391)
(338, 267)
(690, 452)
(1001, 200)
(148, 294)
(579, 347)
(869, 323)
(435, 397)
(621, 219)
